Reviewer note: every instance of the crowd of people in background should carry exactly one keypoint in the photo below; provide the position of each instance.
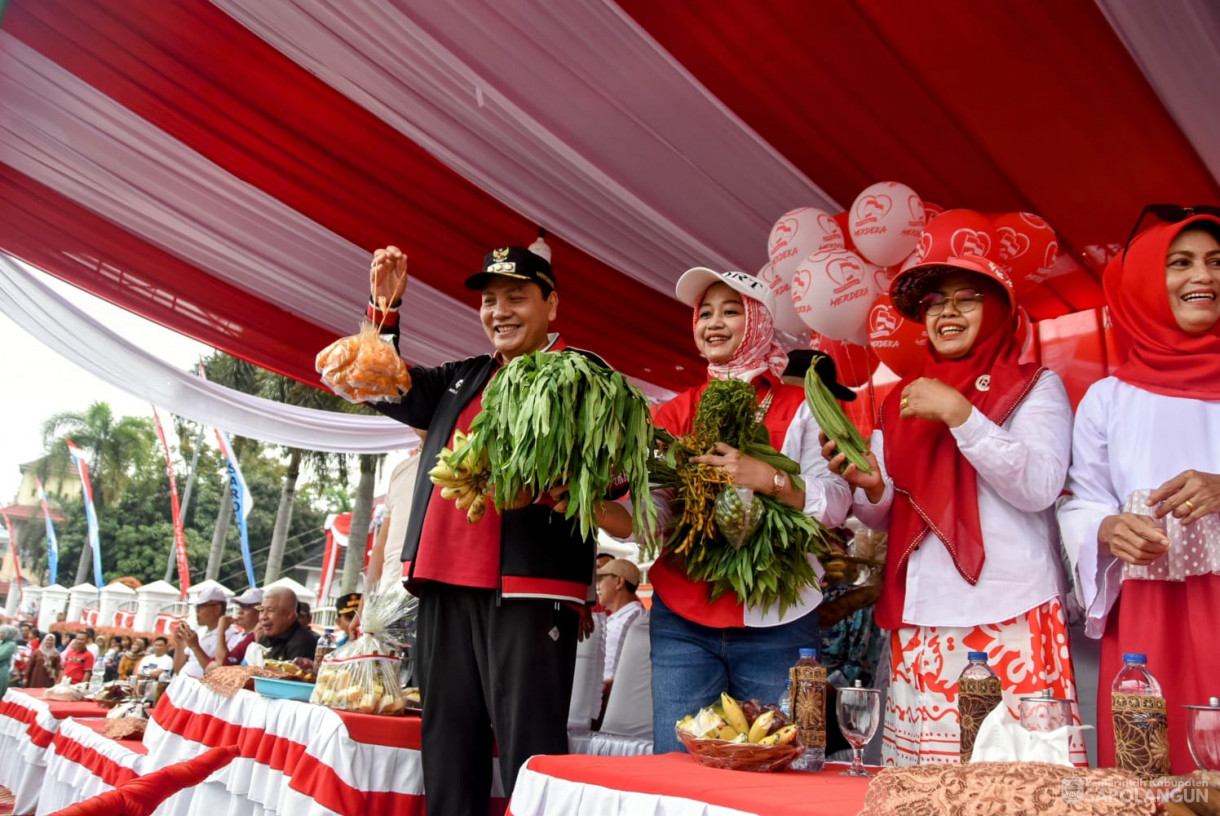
(273, 619)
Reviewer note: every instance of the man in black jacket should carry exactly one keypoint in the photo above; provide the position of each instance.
(284, 637)
(500, 600)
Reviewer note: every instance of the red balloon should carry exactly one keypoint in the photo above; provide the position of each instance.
(853, 364)
(843, 219)
(1027, 245)
(954, 233)
(932, 210)
(900, 343)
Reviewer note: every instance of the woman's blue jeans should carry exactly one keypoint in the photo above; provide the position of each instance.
(692, 664)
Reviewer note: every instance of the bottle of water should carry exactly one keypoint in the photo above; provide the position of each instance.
(1141, 741)
(808, 694)
(326, 645)
(97, 676)
(785, 700)
(978, 692)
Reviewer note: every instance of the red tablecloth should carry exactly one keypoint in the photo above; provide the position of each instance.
(581, 785)
(24, 705)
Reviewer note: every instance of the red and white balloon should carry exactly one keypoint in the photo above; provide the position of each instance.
(900, 343)
(832, 291)
(799, 233)
(786, 318)
(1027, 245)
(886, 221)
(954, 233)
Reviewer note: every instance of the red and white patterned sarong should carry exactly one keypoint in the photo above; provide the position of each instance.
(1028, 653)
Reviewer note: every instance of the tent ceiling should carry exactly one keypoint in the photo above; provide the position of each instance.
(224, 168)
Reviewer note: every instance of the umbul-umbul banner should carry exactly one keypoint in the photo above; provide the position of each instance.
(52, 542)
(90, 515)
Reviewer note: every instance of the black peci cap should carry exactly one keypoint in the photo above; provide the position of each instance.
(514, 262)
(799, 361)
(347, 604)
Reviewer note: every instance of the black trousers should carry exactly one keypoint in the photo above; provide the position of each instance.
(484, 663)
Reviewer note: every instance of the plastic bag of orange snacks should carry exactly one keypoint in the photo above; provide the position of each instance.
(364, 368)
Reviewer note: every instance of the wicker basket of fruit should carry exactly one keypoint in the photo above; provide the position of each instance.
(746, 736)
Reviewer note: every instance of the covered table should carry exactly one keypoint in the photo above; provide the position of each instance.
(28, 725)
(676, 785)
(295, 758)
(81, 763)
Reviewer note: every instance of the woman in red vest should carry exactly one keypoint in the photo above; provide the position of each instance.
(702, 647)
(969, 458)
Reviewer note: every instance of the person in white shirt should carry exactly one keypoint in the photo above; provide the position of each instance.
(194, 650)
(968, 460)
(1142, 524)
(154, 665)
(617, 582)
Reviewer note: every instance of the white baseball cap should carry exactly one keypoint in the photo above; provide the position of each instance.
(211, 595)
(694, 282)
(251, 597)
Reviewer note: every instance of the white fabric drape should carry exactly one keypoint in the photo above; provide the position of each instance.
(1174, 44)
(66, 330)
(569, 113)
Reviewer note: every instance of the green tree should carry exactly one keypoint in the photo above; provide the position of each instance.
(362, 517)
(115, 448)
(321, 463)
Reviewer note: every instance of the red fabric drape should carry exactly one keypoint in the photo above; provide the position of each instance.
(994, 106)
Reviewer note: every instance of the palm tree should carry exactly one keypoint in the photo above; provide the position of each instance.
(293, 392)
(115, 449)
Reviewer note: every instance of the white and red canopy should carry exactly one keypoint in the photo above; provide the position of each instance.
(225, 168)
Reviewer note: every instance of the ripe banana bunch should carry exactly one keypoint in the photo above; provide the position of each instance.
(461, 474)
(741, 723)
(839, 570)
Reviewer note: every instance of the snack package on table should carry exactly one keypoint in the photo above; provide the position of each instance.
(364, 368)
(362, 675)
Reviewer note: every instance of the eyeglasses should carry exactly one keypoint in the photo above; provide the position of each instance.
(1169, 214)
(964, 300)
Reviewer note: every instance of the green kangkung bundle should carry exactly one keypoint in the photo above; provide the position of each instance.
(559, 418)
(772, 566)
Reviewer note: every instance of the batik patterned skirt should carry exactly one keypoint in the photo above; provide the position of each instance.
(1028, 653)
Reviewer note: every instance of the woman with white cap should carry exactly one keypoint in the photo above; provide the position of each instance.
(967, 462)
(702, 647)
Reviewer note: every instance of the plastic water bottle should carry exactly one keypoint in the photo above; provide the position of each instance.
(1141, 724)
(326, 645)
(978, 692)
(97, 677)
(785, 700)
(808, 693)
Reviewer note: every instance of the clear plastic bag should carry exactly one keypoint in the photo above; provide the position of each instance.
(362, 675)
(738, 514)
(364, 368)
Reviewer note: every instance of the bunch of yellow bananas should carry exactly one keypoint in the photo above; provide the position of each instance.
(728, 721)
(461, 474)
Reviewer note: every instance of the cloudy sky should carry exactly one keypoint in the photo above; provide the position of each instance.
(39, 383)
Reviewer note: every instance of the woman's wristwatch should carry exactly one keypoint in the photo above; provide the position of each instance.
(779, 483)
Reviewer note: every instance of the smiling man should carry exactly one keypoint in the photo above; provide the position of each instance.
(283, 635)
(501, 601)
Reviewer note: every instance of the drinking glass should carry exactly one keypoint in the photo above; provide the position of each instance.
(859, 711)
